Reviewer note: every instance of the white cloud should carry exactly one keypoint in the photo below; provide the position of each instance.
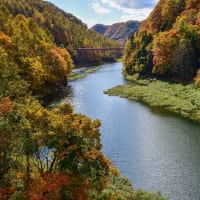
(131, 9)
(135, 14)
(131, 4)
(98, 8)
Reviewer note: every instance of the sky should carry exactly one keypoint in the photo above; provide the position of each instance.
(106, 12)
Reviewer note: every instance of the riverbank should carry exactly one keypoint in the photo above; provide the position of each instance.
(176, 98)
(119, 187)
(81, 72)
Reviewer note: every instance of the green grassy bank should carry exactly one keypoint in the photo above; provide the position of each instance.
(177, 98)
(120, 188)
(81, 73)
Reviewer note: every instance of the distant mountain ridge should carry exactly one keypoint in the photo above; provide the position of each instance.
(100, 28)
(118, 31)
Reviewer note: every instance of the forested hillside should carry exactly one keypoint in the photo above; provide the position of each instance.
(118, 31)
(29, 57)
(48, 154)
(168, 42)
(100, 28)
(45, 154)
(65, 29)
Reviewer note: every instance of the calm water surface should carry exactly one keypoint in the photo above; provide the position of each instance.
(156, 151)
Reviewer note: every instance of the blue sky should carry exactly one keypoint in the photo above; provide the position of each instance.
(107, 11)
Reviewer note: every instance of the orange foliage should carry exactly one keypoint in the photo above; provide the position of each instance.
(61, 58)
(5, 106)
(172, 33)
(5, 40)
(198, 19)
(163, 47)
(197, 78)
(53, 186)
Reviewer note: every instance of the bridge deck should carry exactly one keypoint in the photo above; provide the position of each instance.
(101, 49)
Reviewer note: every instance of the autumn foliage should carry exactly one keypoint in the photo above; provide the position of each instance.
(63, 28)
(52, 154)
(27, 50)
(54, 186)
(174, 48)
(44, 154)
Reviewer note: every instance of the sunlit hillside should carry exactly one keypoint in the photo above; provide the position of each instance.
(168, 42)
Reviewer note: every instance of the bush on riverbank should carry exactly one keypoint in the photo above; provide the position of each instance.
(177, 98)
(120, 188)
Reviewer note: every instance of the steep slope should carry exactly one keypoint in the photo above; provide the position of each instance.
(99, 28)
(29, 58)
(118, 31)
(39, 41)
(34, 140)
(66, 30)
(168, 42)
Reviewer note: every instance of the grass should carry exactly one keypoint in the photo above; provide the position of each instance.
(120, 188)
(84, 71)
(177, 98)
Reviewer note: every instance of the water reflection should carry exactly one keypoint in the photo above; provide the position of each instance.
(156, 150)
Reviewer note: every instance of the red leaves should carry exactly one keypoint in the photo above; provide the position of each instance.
(48, 188)
(5, 193)
(54, 186)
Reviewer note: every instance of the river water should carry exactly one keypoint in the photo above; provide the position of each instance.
(157, 151)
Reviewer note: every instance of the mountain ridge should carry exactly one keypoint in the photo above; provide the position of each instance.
(118, 31)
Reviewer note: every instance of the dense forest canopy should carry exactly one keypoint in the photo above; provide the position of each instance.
(48, 153)
(40, 41)
(65, 29)
(44, 154)
(168, 42)
(30, 57)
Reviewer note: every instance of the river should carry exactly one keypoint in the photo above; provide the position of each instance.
(157, 151)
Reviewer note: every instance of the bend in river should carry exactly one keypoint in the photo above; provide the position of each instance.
(156, 151)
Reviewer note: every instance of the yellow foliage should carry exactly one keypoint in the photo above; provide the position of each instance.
(61, 59)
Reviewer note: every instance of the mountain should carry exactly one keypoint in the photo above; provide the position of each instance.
(118, 31)
(168, 41)
(66, 30)
(99, 28)
(38, 42)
